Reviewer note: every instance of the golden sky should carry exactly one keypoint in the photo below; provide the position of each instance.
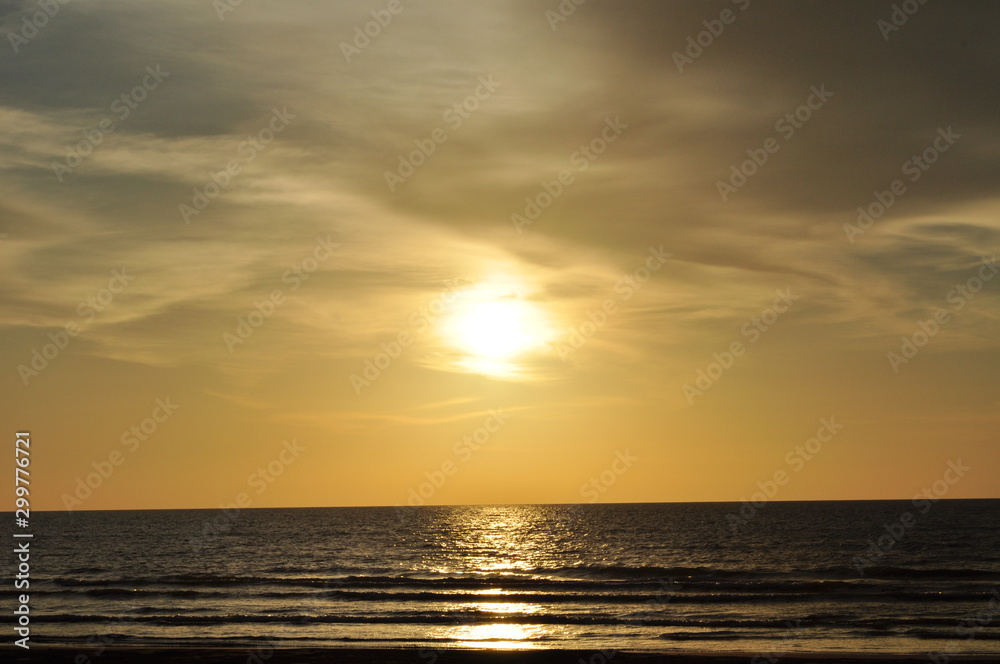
(316, 253)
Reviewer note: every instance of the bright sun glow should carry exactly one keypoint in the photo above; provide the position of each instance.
(493, 330)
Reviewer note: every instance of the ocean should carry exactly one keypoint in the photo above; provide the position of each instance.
(868, 576)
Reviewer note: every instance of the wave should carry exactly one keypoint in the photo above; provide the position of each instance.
(702, 636)
(947, 573)
(915, 626)
(701, 573)
(451, 596)
(825, 579)
(136, 592)
(530, 587)
(271, 641)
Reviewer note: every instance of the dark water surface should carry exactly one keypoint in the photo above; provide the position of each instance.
(818, 576)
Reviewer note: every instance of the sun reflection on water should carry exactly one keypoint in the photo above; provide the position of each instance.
(499, 636)
(506, 607)
(501, 545)
(495, 540)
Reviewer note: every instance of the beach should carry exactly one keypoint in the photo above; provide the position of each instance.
(63, 655)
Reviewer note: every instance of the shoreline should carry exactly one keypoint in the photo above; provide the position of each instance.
(252, 654)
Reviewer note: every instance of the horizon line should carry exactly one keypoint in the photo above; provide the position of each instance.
(665, 502)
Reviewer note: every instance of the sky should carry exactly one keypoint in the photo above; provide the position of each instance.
(399, 253)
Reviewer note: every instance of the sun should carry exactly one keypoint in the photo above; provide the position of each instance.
(494, 331)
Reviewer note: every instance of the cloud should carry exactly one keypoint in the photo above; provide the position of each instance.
(656, 184)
